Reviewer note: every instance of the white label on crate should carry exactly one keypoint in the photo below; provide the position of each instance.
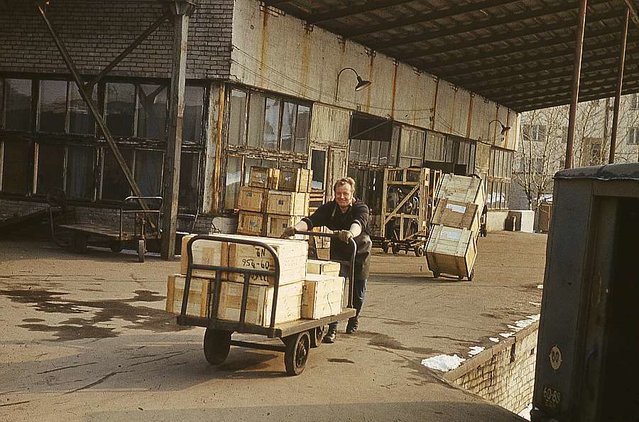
(456, 208)
(451, 235)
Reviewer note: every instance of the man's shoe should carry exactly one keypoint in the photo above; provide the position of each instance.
(330, 336)
(352, 325)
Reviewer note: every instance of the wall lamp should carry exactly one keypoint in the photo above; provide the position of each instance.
(361, 83)
(504, 128)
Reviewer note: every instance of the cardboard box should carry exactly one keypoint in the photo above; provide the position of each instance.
(295, 180)
(259, 304)
(251, 223)
(316, 266)
(198, 295)
(323, 296)
(287, 203)
(252, 199)
(264, 177)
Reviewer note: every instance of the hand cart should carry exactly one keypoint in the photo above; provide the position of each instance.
(297, 336)
(135, 227)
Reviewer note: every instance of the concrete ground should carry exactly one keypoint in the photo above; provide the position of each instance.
(85, 337)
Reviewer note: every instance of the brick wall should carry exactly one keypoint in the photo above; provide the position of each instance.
(503, 374)
(95, 32)
(11, 209)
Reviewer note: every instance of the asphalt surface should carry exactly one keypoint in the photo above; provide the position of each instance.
(86, 337)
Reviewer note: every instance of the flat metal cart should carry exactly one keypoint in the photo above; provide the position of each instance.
(297, 336)
(135, 226)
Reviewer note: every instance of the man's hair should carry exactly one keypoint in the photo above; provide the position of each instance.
(345, 181)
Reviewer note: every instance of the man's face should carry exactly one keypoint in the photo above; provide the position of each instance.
(344, 195)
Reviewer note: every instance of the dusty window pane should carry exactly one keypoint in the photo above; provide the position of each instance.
(375, 152)
(271, 123)
(364, 151)
(318, 164)
(80, 119)
(353, 150)
(120, 108)
(189, 188)
(15, 171)
(18, 104)
(53, 106)
(114, 184)
(392, 154)
(152, 111)
(256, 120)
(148, 171)
(289, 113)
(237, 118)
(50, 168)
(233, 178)
(301, 128)
(383, 152)
(193, 110)
(80, 173)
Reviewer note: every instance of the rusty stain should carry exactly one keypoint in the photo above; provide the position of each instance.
(304, 64)
(392, 113)
(263, 52)
(434, 109)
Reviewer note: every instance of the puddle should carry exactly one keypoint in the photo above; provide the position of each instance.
(88, 315)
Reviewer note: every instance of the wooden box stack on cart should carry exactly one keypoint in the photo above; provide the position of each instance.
(452, 243)
(273, 200)
(257, 285)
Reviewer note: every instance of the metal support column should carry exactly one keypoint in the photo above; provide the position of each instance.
(182, 9)
(622, 64)
(576, 79)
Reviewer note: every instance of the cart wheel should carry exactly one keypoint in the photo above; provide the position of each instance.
(115, 246)
(217, 344)
(79, 243)
(419, 251)
(317, 334)
(141, 250)
(436, 274)
(296, 354)
(395, 248)
(385, 247)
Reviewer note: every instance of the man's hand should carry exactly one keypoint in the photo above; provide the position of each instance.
(288, 232)
(345, 235)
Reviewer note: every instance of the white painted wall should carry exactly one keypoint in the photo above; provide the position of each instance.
(278, 53)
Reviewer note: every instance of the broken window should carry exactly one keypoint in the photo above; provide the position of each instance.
(80, 119)
(289, 115)
(53, 106)
(80, 172)
(193, 113)
(256, 120)
(152, 110)
(271, 123)
(50, 168)
(302, 126)
(18, 104)
(120, 108)
(237, 117)
(114, 184)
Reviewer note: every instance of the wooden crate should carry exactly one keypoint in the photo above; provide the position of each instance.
(205, 252)
(460, 215)
(461, 189)
(198, 295)
(295, 180)
(275, 224)
(323, 296)
(252, 199)
(287, 203)
(316, 266)
(451, 251)
(292, 256)
(260, 303)
(264, 177)
(251, 223)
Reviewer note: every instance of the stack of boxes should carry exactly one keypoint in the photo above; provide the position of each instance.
(452, 241)
(273, 200)
(308, 289)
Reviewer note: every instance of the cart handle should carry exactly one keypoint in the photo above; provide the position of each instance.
(352, 260)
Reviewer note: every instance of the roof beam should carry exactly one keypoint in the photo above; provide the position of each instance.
(526, 32)
(426, 17)
(483, 24)
(316, 18)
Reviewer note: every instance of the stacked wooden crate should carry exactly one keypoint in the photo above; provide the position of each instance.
(452, 242)
(307, 288)
(273, 200)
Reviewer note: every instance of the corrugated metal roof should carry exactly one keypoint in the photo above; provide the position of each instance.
(518, 53)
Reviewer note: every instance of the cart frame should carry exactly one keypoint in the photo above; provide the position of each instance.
(298, 336)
